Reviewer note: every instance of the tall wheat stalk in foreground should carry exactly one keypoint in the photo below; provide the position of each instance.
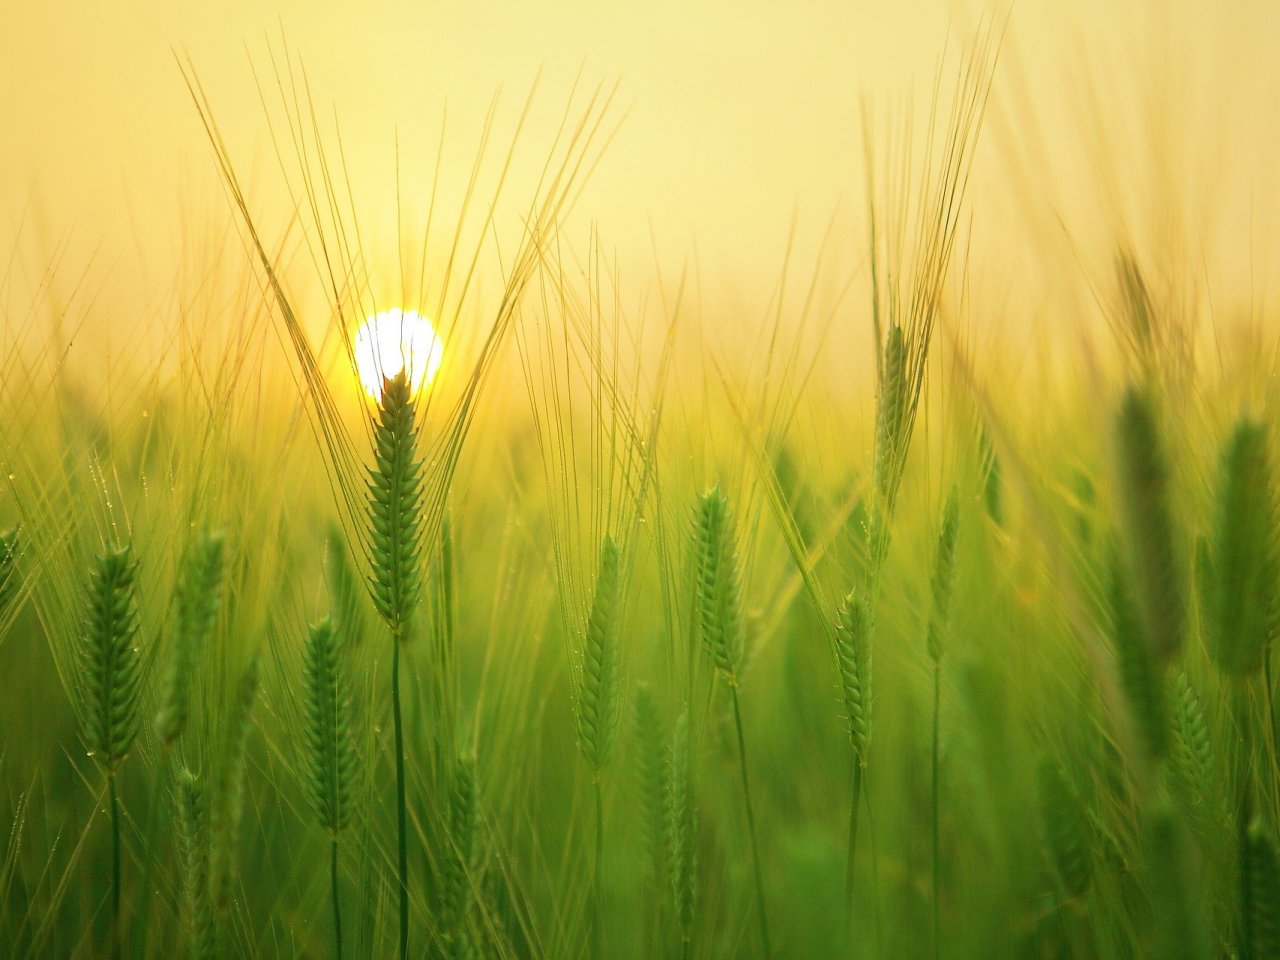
(719, 606)
(395, 528)
(111, 678)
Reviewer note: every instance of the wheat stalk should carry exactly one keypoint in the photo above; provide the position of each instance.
(720, 616)
(193, 850)
(198, 594)
(460, 859)
(1243, 585)
(598, 689)
(943, 585)
(227, 809)
(111, 681)
(330, 747)
(395, 491)
(852, 646)
(1141, 676)
(1146, 498)
(682, 833)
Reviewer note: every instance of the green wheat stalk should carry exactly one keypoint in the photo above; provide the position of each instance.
(682, 833)
(1261, 909)
(1141, 676)
(720, 621)
(330, 748)
(598, 690)
(395, 490)
(1066, 829)
(892, 417)
(1147, 502)
(651, 760)
(227, 809)
(852, 646)
(460, 859)
(193, 851)
(1180, 928)
(1191, 751)
(943, 584)
(111, 680)
(1241, 582)
(198, 595)
(1244, 584)
(598, 700)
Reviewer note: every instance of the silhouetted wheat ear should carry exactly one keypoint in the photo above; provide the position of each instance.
(716, 584)
(1243, 585)
(110, 668)
(944, 576)
(853, 659)
(198, 596)
(395, 506)
(1066, 829)
(330, 743)
(682, 828)
(1262, 920)
(598, 698)
(1141, 676)
(10, 579)
(1146, 499)
(193, 852)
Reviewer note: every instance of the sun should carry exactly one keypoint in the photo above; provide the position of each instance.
(396, 340)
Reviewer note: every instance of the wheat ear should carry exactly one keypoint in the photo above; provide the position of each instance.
(1244, 583)
(720, 615)
(1147, 502)
(852, 646)
(193, 850)
(111, 680)
(198, 594)
(330, 747)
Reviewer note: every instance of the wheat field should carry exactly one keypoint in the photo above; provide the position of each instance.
(486, 602)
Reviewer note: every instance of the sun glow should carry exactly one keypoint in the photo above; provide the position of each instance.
(396, 340)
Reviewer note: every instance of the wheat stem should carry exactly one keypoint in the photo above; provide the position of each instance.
(402, 846)
(751, 825)
(395, 519)
(933, 806)
(337, 906)
(117, 936)
(597, 920)
(855, 792)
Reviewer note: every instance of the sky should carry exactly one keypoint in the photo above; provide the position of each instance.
(739, 126)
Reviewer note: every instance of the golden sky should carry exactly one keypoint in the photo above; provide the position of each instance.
(736, 119)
